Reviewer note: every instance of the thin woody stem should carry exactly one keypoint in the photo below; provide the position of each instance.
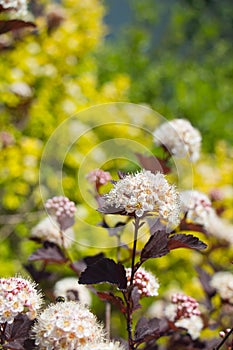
(224, 340)
(136, 228)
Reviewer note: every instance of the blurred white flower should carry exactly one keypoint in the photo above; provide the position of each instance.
(222, 281)
(180, 138)
(145, 281)
(70, 289)
(18, 6)
(66, 325)
(193, 324)
(196, 206)
(21, 89)
(145, 192)
(18, 295)
(48, 230)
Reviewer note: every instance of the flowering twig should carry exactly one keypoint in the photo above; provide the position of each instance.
(224, 339)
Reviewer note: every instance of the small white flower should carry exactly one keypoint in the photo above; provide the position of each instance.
(18, 295)
(145, 192)
(68, 287)
(68, 325)
(193, 324)
(18, 6)
(146, 282)
(180, 138)
(222, 281)
(48, 230)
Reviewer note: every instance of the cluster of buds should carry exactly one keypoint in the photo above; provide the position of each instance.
(18, 295)
(98, 178)
(63, 209)
(186, 305)
(183, 312)
(146, 283)
(223, 334)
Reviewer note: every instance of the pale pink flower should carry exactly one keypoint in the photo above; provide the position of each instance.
(18, 295)
(184, 313)
(98, 177)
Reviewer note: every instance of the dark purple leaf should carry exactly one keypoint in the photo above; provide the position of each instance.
(112, 210)
(156, 246)
(80, 265)
(185, 241)
(146, 329)
(50, 253)
(17, 332)
(153, 164)
(14, 24)
(38, 275)
(89, 260)
(205, 278)
(65, 222)
(185, 226)
(135, 297)
(113, 231)
(104, 270)
(115, 300)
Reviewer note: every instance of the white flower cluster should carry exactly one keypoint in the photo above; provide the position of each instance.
(19, 6)
(103, 346)
(48, 230)
(145, 192)
(69, 288)
(184, 313)
(197, 207)
(145, 281)
(61, 207)
(18, 295)
(98, 177)
(222, 281)
(180, 138)
(66, 325)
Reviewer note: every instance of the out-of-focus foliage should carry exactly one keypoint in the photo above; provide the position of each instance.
(46, 75)
(178, 55)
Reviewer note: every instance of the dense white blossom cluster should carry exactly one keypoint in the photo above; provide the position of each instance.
(180, 138)
(48, 230)
(145, 281)
(18, 6)
(66, 325)
(184, 313)
(222, 281)
(18, 295)
(70, 289)
(197, 207)
(145, 192)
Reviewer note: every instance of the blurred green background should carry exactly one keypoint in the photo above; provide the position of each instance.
(173, 56)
